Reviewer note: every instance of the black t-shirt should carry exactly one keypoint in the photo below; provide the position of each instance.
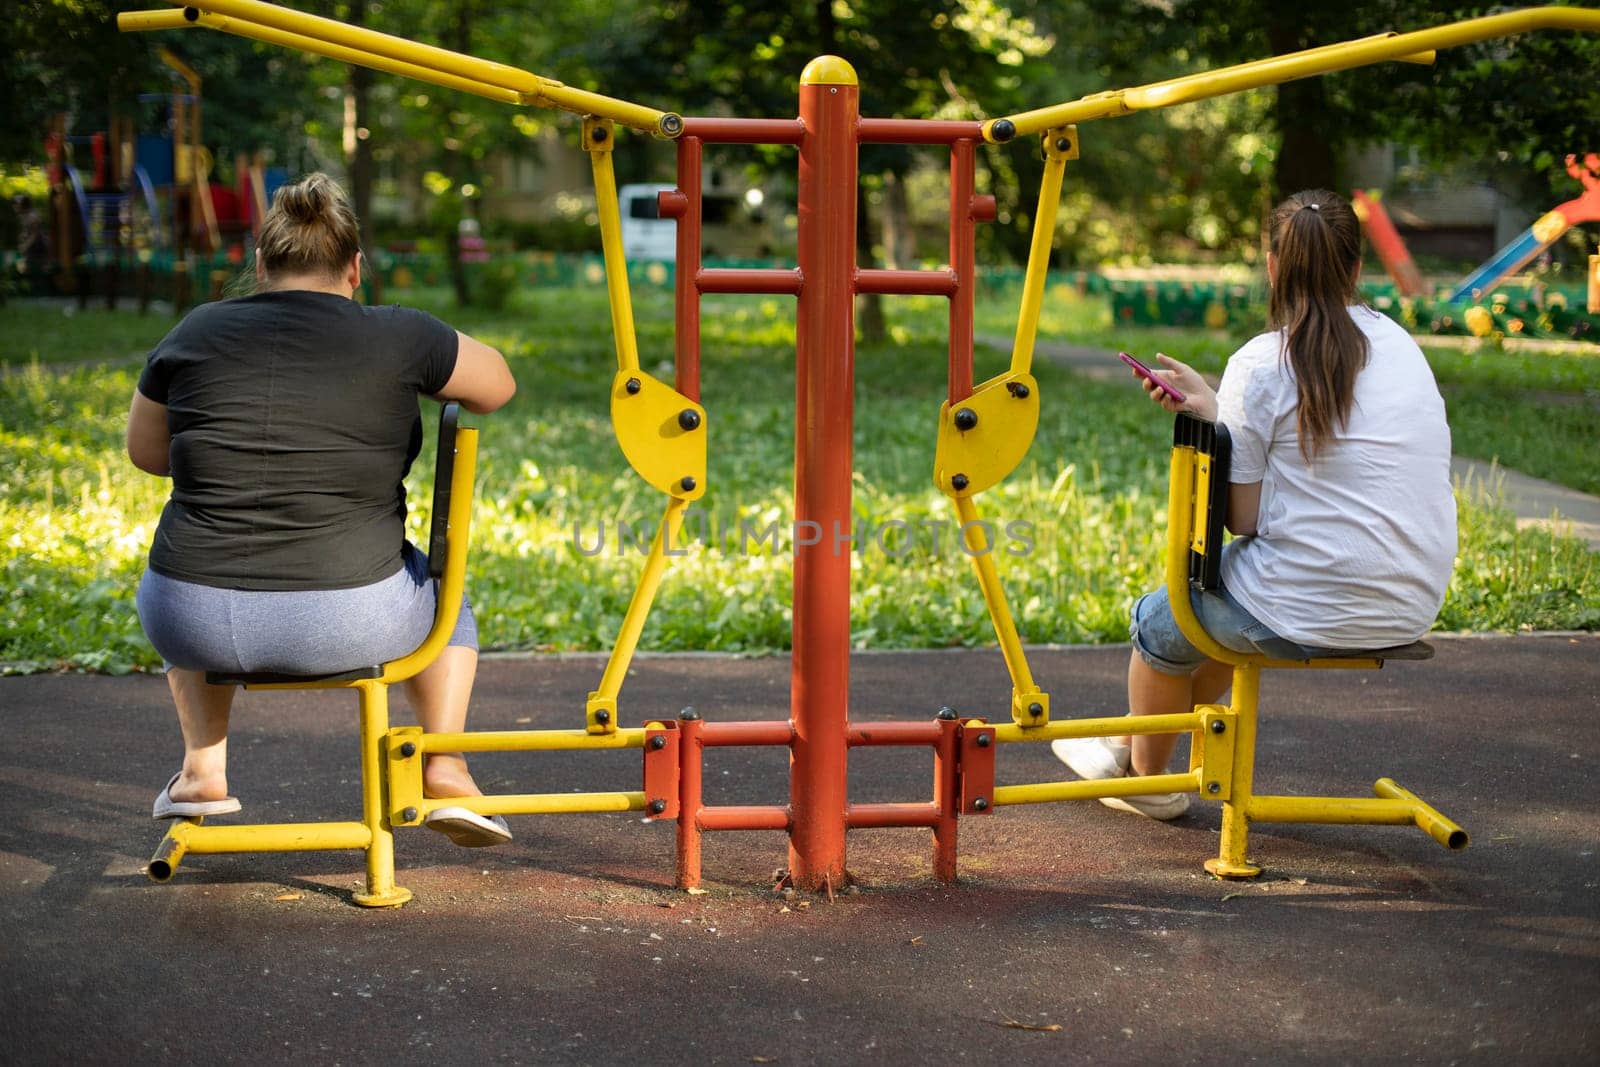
(294, 418)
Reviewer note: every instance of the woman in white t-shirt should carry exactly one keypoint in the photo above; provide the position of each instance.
(1340, 495)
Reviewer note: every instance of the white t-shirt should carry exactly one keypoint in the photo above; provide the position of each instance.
(1355, 551)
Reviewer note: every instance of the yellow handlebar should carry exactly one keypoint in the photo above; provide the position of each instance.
(1415, 47)
(381, 51)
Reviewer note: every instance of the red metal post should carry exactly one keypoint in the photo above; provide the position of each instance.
(825, 416)
(963, 262)
(686, 336)
(691, 798)
(946, 797)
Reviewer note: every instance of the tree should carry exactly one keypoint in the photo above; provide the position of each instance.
(930, 58)
(1524, 96)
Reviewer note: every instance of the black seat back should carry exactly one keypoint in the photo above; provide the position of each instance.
(1213, 449)
(443, 476)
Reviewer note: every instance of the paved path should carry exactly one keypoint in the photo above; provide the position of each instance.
(1534, 501)
(1359, 945)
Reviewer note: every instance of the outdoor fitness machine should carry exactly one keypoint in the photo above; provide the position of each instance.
(984, 431)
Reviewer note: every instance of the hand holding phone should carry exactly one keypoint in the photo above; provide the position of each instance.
(1149, 375)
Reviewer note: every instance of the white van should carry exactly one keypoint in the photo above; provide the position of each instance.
(730, 225)
(645, 234)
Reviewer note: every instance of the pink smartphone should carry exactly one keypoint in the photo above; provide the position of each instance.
(1145, 372)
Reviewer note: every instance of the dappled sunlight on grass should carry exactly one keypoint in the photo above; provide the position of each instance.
(1078, 527)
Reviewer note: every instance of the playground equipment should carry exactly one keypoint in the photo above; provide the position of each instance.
(1386, 241)
(149, 202)
(450, 528)
(1546, 230)
(101, 215)
(983, 432)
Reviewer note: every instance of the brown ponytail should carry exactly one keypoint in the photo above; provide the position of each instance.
(311, 229)
(1316, 243)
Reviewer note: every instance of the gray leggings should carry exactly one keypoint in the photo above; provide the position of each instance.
(319, 631)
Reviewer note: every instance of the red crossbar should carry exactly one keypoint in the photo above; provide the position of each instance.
(825, 281)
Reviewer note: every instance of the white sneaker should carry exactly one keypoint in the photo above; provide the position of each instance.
(1092, 758)
(1163, 806)
(1099, 758)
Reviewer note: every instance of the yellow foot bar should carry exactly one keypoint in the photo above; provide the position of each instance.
(186, 837)
(1393, 806)
(526, 740)
(1047, 792)
(1112, 727)
(540, 803)
(1428, 818)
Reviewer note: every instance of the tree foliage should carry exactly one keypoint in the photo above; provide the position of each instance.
(1187, 182)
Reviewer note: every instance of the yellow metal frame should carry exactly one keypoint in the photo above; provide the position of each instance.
(1188, 479)
(1030, 705)
(981, 456)
(1006, 410)
(381, 51)
(1060, 145)
(374, 833)
(1414, 47)
(404, 748)
(1222, 753)
(391, 759)
(661, 431)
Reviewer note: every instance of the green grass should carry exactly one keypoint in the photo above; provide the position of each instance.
(76, 518)
(1534, 412)
(56, 332)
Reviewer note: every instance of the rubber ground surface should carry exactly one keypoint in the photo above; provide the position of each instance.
(1076, 934)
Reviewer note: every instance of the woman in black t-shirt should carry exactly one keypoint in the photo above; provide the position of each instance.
(286, 421)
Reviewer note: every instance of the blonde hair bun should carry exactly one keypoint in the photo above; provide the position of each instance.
(311, 229)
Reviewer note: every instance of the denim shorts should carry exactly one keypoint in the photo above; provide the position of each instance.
(313, 631)
(1162, 645)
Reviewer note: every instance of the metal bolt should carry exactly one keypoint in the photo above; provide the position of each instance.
(687, 483)
(980, 804)
(672, 125)
(688, 418)
(409, 815)
(1213, 787)
(1003, 130)
(602, 716)
(657, 807)
(408, 750)
(689, 714)
(959, 482)
(984, 740)
(1063, 144)
(966, 418)
(633, 386)
(599, 134)
(1036, 709)
(1018, 390)
(1218, 726)
(948, 714)
(658, 742)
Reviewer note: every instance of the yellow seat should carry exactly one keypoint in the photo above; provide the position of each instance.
(1196, 506)
(450, 527)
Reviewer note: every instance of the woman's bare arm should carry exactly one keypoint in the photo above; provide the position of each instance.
(149, 440)
(481, 381)
(1244, 507)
